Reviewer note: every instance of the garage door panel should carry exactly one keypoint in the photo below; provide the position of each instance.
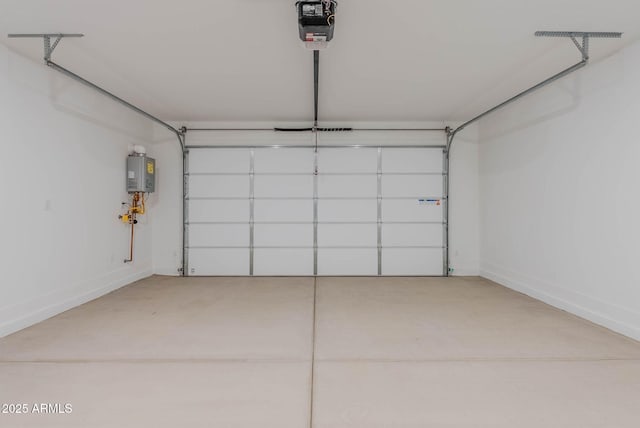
(412, 185)
(348, 160)
(277, 261)
(410, 210)
(219, 161)
(284, 210)
(347, 210)
(348, 261)
(218, 186)
(412, 261)
(219, 262)
(283, 160)
(283, 235)
(270, 186)
(343, 235)
(411, 160)
(354, 186)
(219, 235)
(218, 211)
(408, 235)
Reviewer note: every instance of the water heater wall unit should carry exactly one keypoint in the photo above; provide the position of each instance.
(141, 174)
(316, 20)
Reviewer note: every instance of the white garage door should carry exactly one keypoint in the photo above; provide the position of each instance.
(297, 211)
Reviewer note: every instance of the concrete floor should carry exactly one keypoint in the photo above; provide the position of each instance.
(388, 352)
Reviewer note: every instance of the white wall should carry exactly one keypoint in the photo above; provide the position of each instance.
(167, 218)
(62, 179)
(167, 214)
(559, 189)
(464, 230)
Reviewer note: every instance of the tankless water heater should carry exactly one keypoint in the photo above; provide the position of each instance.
(141, 174)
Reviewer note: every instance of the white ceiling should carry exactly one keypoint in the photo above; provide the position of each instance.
(240, 60)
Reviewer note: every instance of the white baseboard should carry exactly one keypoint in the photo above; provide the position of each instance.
(466, 271)
(166, 271)
(613, 317)
(23, 315)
